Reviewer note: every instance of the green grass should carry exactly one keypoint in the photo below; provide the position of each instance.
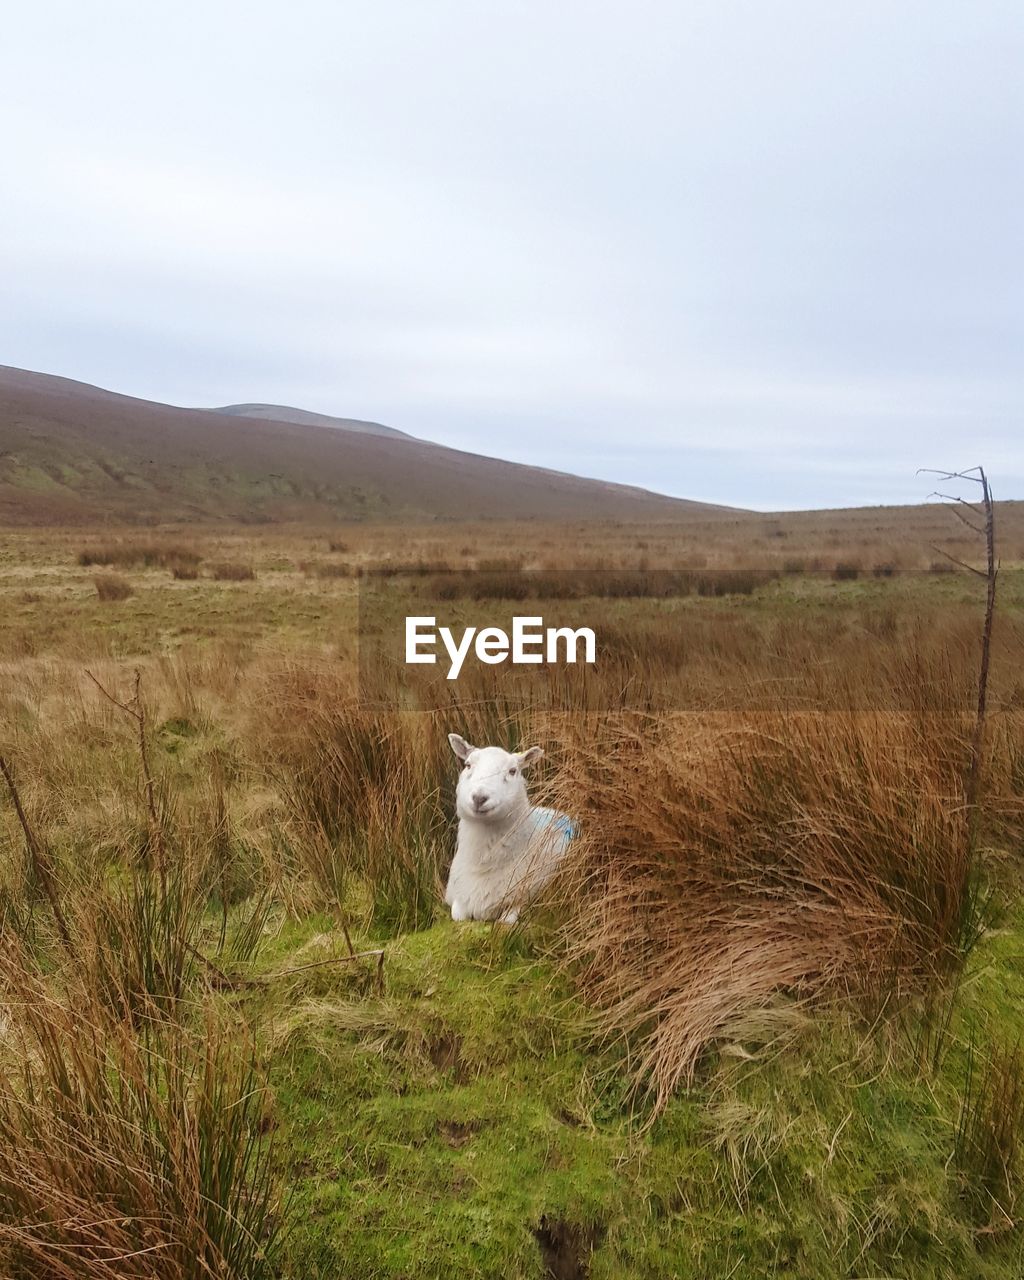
(428, 1130)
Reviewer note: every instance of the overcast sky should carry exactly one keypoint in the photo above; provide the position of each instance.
(763, 253)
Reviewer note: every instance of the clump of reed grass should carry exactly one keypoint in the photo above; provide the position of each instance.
(129, 554)
(141, 936)
(184, 570)
(514, 583)
(990, 1136)
(111, 588)
(725, 859)
(227, 571)
(126, 1151)
(330, 569)
(371, 789)
(370, 792)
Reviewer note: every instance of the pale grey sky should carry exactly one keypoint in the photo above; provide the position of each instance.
(764, 253)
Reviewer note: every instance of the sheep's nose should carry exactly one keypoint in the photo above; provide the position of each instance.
(479, 799)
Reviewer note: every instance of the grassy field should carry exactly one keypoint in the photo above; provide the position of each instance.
(766, 1023)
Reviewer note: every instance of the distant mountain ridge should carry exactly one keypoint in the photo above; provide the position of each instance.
(305, 417)
(75, 453)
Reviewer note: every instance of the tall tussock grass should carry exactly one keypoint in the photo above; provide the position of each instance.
(126, 1150)
(989, 1136)
(492, 581)
(725, 860)
(131, 1111)
(229, 571)
(141, 943)
(371, 790)
(110, 587)
(130, 553)
(366, 790)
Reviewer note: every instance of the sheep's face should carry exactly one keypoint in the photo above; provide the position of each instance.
(491, 785)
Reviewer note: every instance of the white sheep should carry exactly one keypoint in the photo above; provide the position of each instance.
(507, 849)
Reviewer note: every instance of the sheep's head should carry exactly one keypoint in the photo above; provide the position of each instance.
(491, 785)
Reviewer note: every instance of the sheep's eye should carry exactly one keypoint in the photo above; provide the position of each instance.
(512, 773)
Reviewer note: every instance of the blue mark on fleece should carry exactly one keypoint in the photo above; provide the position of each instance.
(559, 823)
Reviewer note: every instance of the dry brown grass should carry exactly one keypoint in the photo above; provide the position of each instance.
(127, 1151)
(225, 571)
(605, 584)
(329, 569)
(110, 588)
(723, 863)
(368, 791)
(129, 553)
(131, 1112)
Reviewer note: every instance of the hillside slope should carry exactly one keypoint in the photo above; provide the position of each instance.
(304, 417)
(71, 452)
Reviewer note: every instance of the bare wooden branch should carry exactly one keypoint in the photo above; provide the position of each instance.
(123, 706)
(962, 502)
(215, 974)
(953, 560)
(316, 964)
(953, 475)
(960, 515)
(977, 745)
(38, 856)
(976, 475)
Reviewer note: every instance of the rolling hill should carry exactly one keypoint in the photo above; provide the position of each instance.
(74, 453)
(286, 413)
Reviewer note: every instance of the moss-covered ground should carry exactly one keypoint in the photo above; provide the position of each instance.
(454, 1114)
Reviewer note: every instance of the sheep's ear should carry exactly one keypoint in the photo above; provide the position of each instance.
(460, 746)
(530, 756)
